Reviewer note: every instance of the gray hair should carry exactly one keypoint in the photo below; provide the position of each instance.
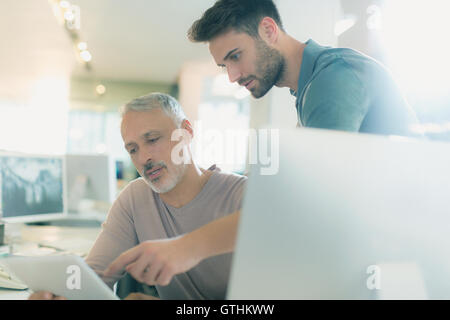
(156, 100)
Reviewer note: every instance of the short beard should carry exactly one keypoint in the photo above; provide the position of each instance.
(173, 178)
(270, 66)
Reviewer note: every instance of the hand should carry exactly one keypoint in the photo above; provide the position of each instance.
(45, 295)
(140, 296)
(155, 262)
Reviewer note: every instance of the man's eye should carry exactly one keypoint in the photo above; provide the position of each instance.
(153, 140)
(235, 57)
(132, 151)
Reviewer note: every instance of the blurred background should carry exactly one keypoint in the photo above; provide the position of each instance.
(67, 66)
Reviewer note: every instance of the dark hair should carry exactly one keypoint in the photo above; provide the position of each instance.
(240, 15)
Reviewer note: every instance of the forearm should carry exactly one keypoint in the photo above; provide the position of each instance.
(215, 238)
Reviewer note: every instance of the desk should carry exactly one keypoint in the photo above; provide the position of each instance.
(26, 239)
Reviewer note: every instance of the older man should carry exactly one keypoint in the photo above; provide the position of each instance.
(152, 228)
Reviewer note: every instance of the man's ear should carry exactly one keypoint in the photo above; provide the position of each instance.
(268, 30)
(186, 125)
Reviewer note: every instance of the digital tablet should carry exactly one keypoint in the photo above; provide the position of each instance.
(65, 275)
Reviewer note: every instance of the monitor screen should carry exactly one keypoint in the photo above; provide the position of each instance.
(92, 177)
(120, 168)
(32, 187)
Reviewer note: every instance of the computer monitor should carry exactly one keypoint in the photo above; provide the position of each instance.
(120, 169)
(90, 176)
(347, 216)
(32, 187)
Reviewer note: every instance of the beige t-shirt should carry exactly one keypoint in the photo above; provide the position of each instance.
(139, 215)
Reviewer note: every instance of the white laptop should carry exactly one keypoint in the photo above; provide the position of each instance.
(347, 216)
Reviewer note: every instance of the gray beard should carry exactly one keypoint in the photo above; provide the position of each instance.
(172, 180)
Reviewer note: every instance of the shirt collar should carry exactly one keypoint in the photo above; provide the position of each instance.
(310, 54)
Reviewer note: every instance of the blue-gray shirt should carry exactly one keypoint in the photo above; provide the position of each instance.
(342, 89)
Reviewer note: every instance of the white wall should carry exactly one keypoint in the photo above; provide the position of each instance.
(39, 124)
(190, 82)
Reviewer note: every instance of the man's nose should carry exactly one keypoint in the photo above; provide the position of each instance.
(145, 157)
(234, 74)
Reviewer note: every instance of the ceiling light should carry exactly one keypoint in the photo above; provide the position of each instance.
(82, 46)
(64, 4)
(85, 56)
(100, 89)
(69, 16)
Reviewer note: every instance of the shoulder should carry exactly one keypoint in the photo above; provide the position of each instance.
(345, 62)
(226, 191)
(336, 72)
(136, 185)
(231, 180)
(339, 74)
(133, 193)
(133, 201)
(336, 98)
(227, 185)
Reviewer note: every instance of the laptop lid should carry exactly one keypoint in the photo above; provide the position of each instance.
(347, 216)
